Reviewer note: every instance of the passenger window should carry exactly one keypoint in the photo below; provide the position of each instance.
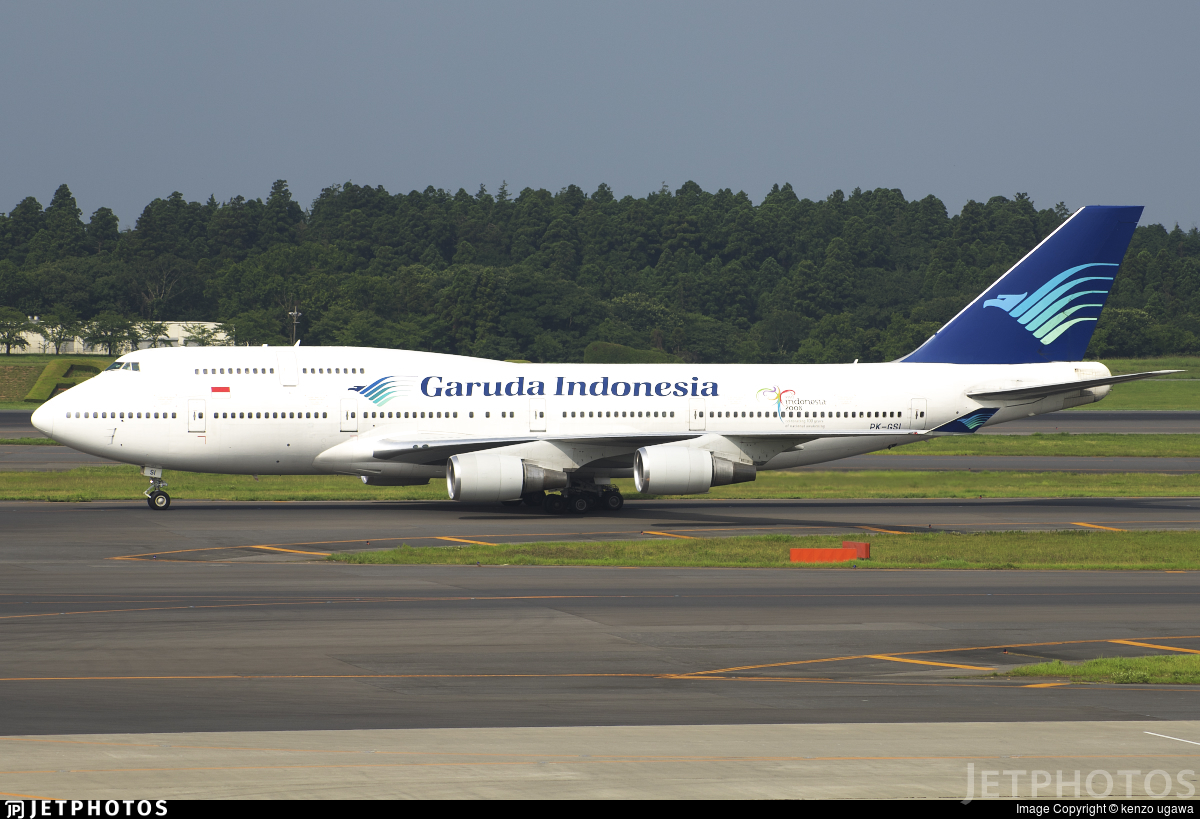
(197, 371)
(489, 415)
(172, 415)
(324, 415)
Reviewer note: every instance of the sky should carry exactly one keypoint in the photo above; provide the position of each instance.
(1080, 102)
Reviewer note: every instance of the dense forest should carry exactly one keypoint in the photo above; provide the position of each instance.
(540, 275)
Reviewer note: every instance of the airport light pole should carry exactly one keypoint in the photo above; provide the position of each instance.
(295, 314)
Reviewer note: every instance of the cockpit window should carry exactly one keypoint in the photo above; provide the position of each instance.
(136, 367)
(116, 365)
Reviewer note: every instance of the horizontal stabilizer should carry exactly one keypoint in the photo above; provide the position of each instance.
(1043, 390)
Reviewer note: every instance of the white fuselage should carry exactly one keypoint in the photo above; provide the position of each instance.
(272, 410)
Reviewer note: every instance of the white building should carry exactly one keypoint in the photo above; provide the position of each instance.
(178, 334)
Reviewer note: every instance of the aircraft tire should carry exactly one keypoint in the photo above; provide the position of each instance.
(612, 501)
(578, 505)
(554, 505)
(159, 501)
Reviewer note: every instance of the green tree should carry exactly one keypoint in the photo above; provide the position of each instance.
(13, 326)
(149, 330)
(200, 335)
(59, 327)
(108, 330)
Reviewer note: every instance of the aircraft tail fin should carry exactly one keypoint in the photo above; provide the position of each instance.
(1046, 306)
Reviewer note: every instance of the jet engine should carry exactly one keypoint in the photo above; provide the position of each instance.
(681, 470)
(482, 477)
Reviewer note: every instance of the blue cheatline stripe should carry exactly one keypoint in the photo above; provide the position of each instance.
(1063, 328)
(1024, 306)
(1060, 318)
(1052, 311)
(1037, 311)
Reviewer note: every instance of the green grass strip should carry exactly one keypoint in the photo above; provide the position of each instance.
(29, 442)
(1173, 669)
(125, 482)
(938, 550)
(1057, 445)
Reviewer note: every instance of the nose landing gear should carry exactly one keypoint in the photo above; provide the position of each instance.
(156, 498)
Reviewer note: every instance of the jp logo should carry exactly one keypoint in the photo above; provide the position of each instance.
(1046, 313)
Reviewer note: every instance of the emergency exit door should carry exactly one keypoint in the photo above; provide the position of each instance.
(349, 415)
(918, 414)
(537, 414)
(196, 415)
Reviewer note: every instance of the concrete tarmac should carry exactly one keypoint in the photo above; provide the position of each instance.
(219, 530)
(977, 760)
(559, 681)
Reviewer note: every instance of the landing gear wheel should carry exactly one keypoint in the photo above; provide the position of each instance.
(159, 500)
(516, 502)
(534, 498)
(612, 501)
(578, 505)
(554, 504)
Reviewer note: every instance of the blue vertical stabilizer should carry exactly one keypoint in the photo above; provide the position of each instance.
(1045, 308)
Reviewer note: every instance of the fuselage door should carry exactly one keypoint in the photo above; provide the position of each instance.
(537, 414)
(918, 413)
(349, 415)
(286, 361)
(696, 420)
(195, 415)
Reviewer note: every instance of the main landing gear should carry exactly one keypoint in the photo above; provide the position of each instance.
(156, 498)
(582, 498)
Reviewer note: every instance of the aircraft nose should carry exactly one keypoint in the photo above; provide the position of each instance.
(43, 419)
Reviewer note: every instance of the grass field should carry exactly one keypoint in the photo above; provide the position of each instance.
(16, 381)
(1057, 444)
(1112, 446)
(19, 372)
(1161, 669)
(1153, 394)
(115, 482)
(1175, 551)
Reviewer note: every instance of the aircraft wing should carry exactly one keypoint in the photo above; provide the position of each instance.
(436, 452)
(1043, 390)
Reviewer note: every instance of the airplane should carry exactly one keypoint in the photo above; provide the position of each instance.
(556, 435)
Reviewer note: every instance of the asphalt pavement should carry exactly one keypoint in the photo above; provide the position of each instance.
(209, 650)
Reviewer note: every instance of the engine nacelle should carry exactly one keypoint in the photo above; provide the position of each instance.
(681, 470)
(482, 477)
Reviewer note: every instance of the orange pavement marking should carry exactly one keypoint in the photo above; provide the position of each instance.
(1094, 526)
(461, 540)
(1151, 645)
(928, 662)
(668, 534)
(1045, 685)
(291, 551)
(887, 531)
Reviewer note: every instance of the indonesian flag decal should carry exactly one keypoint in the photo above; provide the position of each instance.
(220, 389)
